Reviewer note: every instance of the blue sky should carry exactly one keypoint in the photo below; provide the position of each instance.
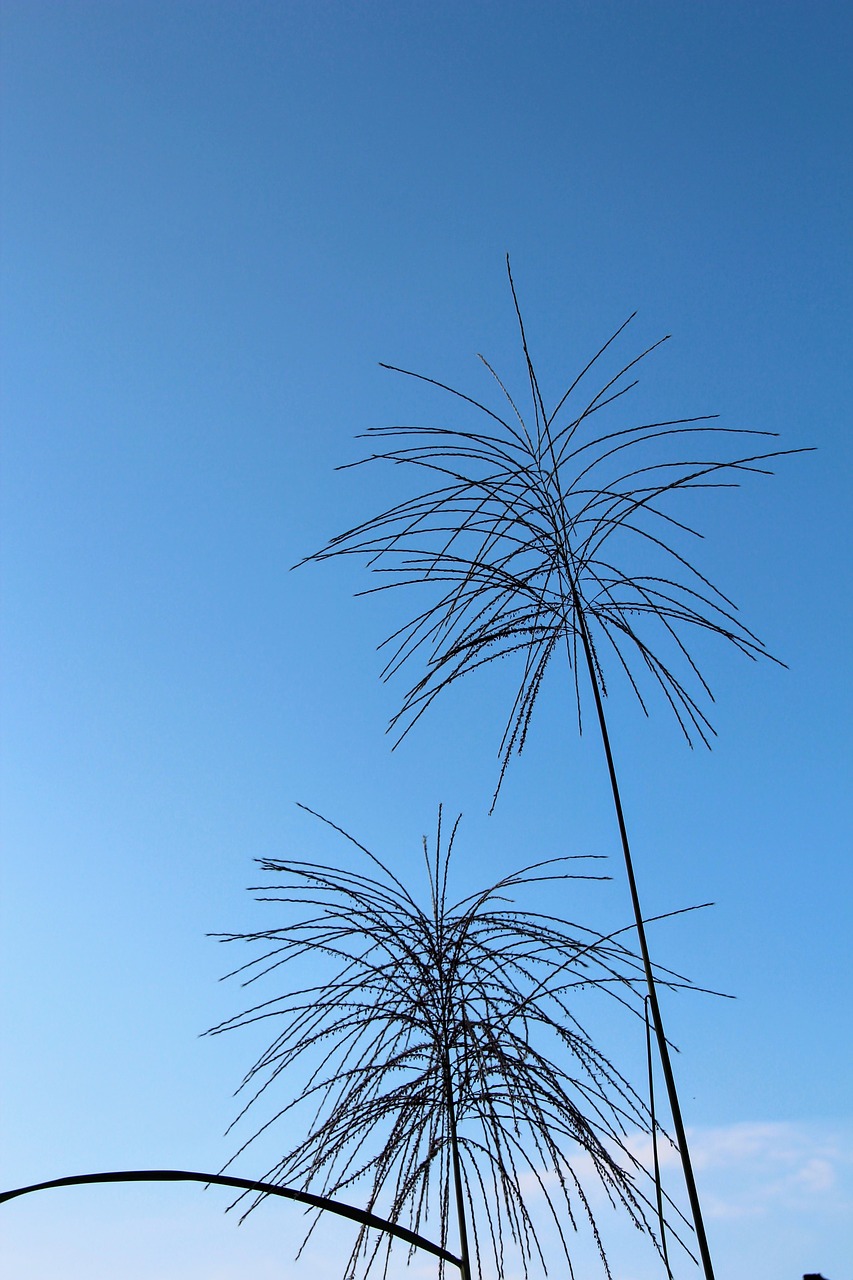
(217, 220)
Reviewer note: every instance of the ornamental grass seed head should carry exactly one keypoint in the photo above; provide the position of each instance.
(452, 1027)
(546, 524)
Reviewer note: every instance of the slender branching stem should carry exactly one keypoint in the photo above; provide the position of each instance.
(663, 1047)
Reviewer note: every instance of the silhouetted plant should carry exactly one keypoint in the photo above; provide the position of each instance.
(557, 532)
(431, 1051)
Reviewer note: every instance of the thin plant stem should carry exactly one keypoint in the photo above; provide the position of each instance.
(464, 1254)
(654, 1128)
(657, 1019)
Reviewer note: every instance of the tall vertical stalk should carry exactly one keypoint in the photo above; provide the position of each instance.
(654, 1129)
(657, 1019)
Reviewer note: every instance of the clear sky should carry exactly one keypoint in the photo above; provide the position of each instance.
(217, 219)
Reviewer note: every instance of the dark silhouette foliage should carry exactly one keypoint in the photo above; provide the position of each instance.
(561, 531)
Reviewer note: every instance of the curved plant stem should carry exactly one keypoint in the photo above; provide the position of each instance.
(663, 1047)
(244, 1184)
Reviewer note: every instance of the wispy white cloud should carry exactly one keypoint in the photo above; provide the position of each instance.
(755, 1168)
(767, 1188)
(758, 1168)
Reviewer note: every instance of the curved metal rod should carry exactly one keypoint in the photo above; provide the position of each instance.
(243, 1184)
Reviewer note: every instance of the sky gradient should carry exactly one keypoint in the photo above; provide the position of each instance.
(217, 220)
